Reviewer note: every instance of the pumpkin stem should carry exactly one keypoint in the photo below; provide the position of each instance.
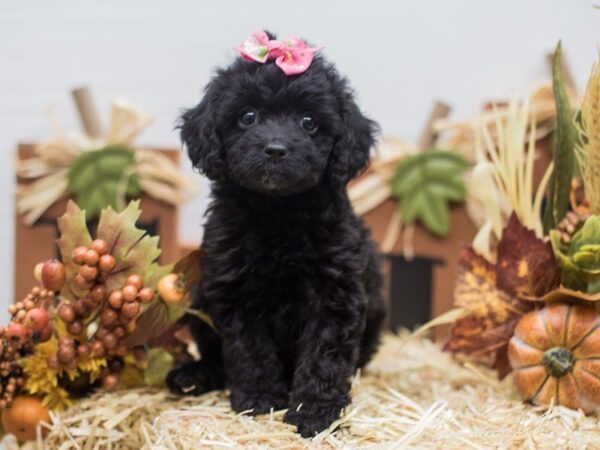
(558, 361)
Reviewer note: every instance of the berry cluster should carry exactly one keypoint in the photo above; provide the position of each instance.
(29, 324)
(11, 373)
(116, 311)
(95, 262)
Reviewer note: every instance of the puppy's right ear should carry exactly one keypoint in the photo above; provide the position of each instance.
(199, 134)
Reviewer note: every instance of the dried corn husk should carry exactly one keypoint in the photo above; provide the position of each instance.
(48, 171)
(590, 111)
(502, 180)
(462, 135)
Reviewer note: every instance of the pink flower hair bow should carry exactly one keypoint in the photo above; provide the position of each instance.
(291, 55)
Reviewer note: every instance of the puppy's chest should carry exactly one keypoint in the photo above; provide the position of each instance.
(282, 252)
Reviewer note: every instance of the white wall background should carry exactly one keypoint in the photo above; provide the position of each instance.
(400, 56)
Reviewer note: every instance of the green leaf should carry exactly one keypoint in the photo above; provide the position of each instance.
(425, 183)
(436, 217)
(160, 362)
(563, 147)
(73, 233)
(135, 251)
(101, 178)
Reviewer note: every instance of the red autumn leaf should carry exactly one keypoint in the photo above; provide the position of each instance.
(484, 334)
(526, 265)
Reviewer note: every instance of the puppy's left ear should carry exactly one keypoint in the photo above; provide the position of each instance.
(199, 134)
(351, 151)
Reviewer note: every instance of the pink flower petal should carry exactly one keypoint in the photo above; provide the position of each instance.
(295, 60)
(255, 47)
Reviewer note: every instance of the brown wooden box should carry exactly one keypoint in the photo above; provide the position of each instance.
(36, 243)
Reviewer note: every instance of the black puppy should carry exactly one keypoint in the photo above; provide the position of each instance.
(291, 279)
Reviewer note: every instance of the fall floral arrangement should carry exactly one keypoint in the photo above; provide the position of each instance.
(95, 321)
(528, 287)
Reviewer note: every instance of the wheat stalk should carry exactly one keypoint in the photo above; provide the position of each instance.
(512, 164)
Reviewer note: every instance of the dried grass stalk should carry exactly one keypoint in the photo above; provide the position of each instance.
(411, 396)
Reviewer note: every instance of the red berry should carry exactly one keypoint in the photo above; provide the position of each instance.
(46, 333)
(17, 332)
(81, 282)
(83, 350)
(107, 263)
(146, 295)
(130, 293)
(100, 333)
(110, 341)
(116, 299)
(53, 275)
(120, 331)
(91, 257)
(98, 293)
(135, 280)
(98, 349)
(78, 255)
(110, 382)
(66, 313)
(130, 310)
(75, 328)
(37, 319)
(66, 341)
(109, 317)
(90, 273)
(65, 354)
(101, 246)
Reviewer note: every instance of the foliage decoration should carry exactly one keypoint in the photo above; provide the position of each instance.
(563, 149)
(492, 293)
(425, 183)
(104, 177)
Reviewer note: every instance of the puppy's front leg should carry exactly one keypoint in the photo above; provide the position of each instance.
(328, 355)
(253, 370)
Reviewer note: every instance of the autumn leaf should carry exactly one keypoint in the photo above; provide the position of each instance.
(493, 312)
(495, 294)
(526, 265)
(190, 266)
(135, 251)
(154, 321)
(73, 233)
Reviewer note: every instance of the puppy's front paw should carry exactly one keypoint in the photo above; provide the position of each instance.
(258, 402)
(312, 419)
(193, 378)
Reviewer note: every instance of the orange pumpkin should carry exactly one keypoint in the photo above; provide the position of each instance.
(23, 417)
(555, 354)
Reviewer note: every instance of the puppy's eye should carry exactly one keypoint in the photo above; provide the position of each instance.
(309, 124)
(248, 118)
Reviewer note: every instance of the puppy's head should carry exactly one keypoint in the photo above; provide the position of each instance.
(278, 134)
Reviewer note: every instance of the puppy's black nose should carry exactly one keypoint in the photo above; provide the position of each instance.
(276, 151)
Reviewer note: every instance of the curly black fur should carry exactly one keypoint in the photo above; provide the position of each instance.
(291, 278)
